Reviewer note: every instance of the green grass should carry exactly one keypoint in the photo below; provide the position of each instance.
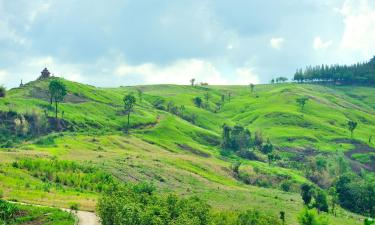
(182, 157)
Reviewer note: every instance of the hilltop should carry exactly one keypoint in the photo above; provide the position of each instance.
(177, 145)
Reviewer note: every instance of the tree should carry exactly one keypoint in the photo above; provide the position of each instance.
(267, 148)
(334, 199)
(57, 92)
(207, 97)
(302, 102)
(229, 96)
(352, 125)
(2, 92)
(140, 94)
(252, 87)
(192, 81)
(307, 192)
(321, 202)
(198, 102)
(129, 102)
(282, 216)
(226, 144)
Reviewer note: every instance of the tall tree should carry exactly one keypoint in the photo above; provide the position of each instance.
(129, 102)
(192, 81)
(352, 125)
(57, 90)
(2, 92)
(321, 202)
(252, 87)
(302, 102)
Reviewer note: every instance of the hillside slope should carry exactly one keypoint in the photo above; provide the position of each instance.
(181, 152)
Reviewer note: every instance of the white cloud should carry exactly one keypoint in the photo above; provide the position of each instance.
(319, 44)
(181, 71)
(277, 43)
(359, 32)
(39, 9)
(3, 75)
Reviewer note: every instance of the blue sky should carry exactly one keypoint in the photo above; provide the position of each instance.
(128, 42)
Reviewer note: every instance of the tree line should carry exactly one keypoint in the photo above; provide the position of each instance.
(359, 74)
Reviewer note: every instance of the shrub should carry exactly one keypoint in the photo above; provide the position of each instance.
(311, 217)
(8, 212)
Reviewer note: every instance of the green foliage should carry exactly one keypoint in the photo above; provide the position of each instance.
(311, 217)
(3, 92)
(352, 125)
(236, 138)
(129, 102)
(302, 102)
(57, 90)
(360, 73)
(198, 102)
(8, 212)
(307, 193)
(66, 173)
(321, 202)
(129, 205)
(356, 194)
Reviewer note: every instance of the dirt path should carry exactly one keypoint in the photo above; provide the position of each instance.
(86, 218)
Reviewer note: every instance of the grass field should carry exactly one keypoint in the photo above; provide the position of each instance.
(184, 157)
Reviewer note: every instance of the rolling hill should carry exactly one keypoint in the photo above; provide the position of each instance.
(177, 145)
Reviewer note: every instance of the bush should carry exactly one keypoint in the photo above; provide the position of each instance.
(8, 212)
(311, 217)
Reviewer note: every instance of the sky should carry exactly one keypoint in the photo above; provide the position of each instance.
(130, 42)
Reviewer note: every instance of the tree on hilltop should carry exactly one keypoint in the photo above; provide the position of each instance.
(57, 90)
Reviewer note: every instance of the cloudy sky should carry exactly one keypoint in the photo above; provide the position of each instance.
(127, 42)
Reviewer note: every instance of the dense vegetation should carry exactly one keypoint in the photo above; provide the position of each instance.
(13, 214)
(360, 73)
(140, 205)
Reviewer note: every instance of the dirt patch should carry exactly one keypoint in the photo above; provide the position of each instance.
(43, 94)
(193, 150)
(359, 148)
(300, 154)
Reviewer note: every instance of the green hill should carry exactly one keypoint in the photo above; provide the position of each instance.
(177, 145)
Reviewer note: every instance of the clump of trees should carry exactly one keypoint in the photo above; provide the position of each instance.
(3, 92)
(356, 193)
(310, 193)
(360, 73)
(140, 204)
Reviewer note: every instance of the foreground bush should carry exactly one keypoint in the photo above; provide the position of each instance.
(139, 205)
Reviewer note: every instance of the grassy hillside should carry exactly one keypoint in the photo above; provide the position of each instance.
(183, 155)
